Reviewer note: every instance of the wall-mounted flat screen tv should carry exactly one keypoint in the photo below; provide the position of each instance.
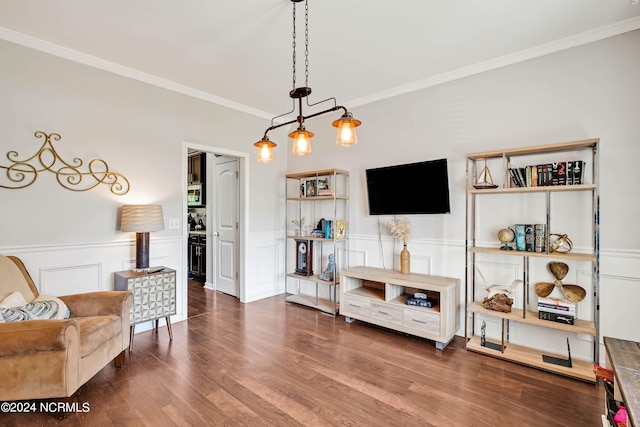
(413, 188)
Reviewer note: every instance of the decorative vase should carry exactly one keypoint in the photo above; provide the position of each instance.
(405, 259)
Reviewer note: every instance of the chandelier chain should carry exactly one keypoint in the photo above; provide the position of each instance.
(294, 45)
(306, 43)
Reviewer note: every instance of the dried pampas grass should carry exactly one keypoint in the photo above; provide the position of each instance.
(400, 229)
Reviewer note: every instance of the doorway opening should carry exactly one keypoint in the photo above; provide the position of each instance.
(216, 217)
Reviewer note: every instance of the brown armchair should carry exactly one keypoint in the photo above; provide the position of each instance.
(42, 359)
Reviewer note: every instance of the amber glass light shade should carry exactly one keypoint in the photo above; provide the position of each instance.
(301, 141)
(347, 135)
(265, 150)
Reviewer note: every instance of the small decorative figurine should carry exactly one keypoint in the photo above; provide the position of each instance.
(329, 272)
(499, 298)
(484, 180)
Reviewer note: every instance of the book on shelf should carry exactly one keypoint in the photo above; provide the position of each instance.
(556, 173)
(561, 310)
(328, 229)
(557, 305)
(520, 237)
(578, 167)
(521, 177)
(547, 172)
(514, 178)
(529, 238)
(540, 237)
(324, 187)
(534, 176)
(557, 317)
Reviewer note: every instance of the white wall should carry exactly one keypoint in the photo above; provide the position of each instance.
(592, 91)
(139, 130)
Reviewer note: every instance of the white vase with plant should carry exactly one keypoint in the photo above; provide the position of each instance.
(400, 229)
(299, 224)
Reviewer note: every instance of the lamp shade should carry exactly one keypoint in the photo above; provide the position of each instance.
(265, 150)
(141, 218)
(301, 141)
(347, 135)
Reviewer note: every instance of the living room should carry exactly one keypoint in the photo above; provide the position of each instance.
(142, 126)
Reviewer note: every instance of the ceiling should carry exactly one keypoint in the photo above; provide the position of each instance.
(239, 53)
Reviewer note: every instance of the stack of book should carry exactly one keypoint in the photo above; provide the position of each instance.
(557, 310)
(531, 237)
(558, 173)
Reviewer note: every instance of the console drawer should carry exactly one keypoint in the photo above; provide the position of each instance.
(422, 320)
(354, 305)
(387, 313)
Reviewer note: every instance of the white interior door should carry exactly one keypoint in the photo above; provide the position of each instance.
(225, 236)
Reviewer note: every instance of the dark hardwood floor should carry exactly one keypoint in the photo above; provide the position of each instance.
(269, 363)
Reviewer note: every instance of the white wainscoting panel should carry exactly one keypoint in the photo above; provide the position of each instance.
(266, 277)
(70, 279)
(620, 296)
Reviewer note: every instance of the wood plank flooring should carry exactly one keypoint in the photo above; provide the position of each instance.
(270, 363)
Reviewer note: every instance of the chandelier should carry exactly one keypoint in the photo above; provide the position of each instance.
(346, 124)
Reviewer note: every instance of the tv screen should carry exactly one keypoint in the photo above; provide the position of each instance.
(414, 188)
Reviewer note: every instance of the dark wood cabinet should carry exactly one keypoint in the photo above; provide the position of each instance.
(196, 168)
(197, 179)
(197, 256)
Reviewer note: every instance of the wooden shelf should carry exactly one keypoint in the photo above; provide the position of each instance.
(313, 174)
(309, 301)
(324, 297)
(554, 255)
(537, 149)
(314, 278)
(402, 301)
(314, 198)
(581, 369)
(314, 238)
(366, 292)
(581, 326)
(523, 155)
(542, 189)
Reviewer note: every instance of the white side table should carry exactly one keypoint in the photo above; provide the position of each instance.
(154, 296)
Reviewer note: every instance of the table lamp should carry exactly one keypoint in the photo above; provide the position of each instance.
(142, 219)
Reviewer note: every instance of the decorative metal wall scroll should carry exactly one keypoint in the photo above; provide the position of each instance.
(22, 173)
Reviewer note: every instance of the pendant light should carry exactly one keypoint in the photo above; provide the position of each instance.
(346, 124)
(347, 135)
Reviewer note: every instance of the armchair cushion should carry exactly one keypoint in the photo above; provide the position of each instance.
(97, 330)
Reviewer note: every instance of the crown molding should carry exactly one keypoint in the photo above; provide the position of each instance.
(492, 64)
(503, 61)
(112, 67)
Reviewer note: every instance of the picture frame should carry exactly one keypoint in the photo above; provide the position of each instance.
(311, 188)
(341, 229)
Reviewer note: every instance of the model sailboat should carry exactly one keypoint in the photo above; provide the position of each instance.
(484, 180)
